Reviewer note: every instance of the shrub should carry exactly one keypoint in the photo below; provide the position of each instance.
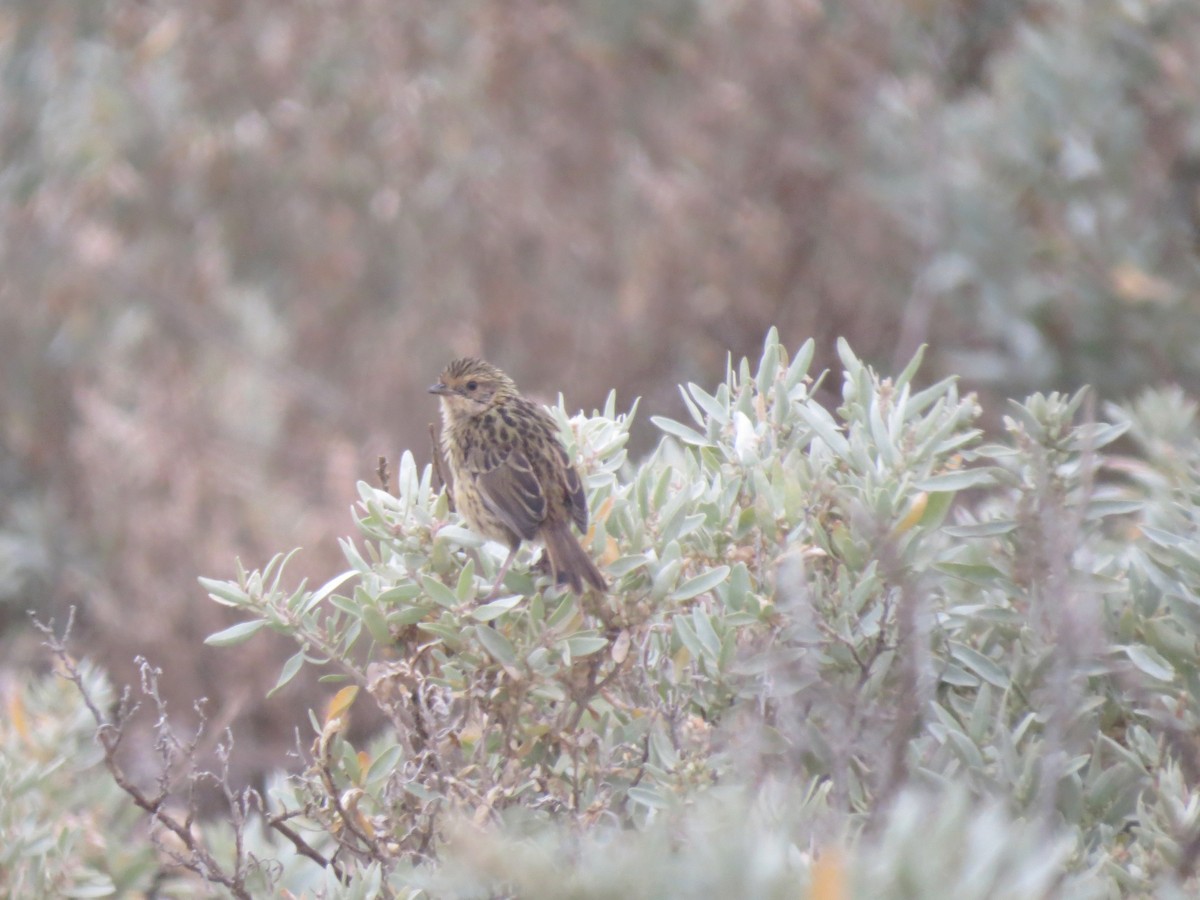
(67, 832)
(866, 650)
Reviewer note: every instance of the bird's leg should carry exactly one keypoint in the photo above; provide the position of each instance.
(512, 554)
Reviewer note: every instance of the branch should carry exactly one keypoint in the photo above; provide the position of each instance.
(110, 733)
(278, 823)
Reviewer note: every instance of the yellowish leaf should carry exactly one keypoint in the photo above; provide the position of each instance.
(1135, 285)
(681, 658)
(16, 714)
(339, 707)
(829, 876)
(605, 508)
(612, 550)
(916, 509)
(469, 735)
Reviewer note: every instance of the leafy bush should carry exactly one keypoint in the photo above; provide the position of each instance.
(68, 829)
(201, 210)
(1029, 194)
(866, 629)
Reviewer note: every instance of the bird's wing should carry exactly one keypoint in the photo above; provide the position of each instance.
(576, 498)
(561, 465)
(509, 487)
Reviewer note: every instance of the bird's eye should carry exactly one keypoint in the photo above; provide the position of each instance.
(471, 385)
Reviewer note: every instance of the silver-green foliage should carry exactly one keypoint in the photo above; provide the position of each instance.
(1040, 263)
(863, 615)
(68, 830)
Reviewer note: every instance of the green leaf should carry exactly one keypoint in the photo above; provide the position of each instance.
(965, 749)
(879, 432)
(325, 590)
(451, 635)
(383, 765)
(936, 507)
(566, 610)
(981, 574)
(692, 408)
(686, 632)
(1165, 538)
(462, 537)
(1149, 661)
(694, 587)
(927, 397)
(464, 590)
(665, 577)
(958, 481)
(439, 593)
(683, 432)
(496, 608)
(278, 562)
(712, 407)
(98, 885)
(648, 797)
(626, 564)
(289, 671)
(706, 634)
(981, 529)
(1098, 509)
(956, 676)
(804, 357)
(585, 644)
(401, 593)
(234, 634)
(768, 364)
(497, 645)
(1094, 435)
(850, 362)
(410, 615)
(225, 592)
(816, 418)
(376, 624)
(983, 666)
(911, 369)
(982, 715)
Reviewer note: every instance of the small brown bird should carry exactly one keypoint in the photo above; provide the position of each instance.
(513, 480)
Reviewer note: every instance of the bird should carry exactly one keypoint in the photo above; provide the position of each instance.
(511, 478)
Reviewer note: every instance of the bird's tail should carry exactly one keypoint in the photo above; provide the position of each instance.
(569, 562)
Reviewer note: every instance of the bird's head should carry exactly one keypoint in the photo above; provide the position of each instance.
(468, 387)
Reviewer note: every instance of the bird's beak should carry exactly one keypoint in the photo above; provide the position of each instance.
(439, 388)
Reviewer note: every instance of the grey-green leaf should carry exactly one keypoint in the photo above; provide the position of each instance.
(694, 587)
(235, 634)
(496, 644)
(1149, 661)
(681, 431)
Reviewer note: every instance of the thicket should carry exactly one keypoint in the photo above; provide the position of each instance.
(850, 651)
(239, 239)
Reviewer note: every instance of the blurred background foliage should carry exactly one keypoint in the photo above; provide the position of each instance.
(238, 239)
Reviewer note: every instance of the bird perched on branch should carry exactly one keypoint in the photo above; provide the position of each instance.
(512, 479)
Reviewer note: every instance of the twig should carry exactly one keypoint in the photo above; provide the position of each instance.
(110, 733)
(278, 822)
(348, 820)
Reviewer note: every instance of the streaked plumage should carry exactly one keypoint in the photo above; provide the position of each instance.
(512, 479)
